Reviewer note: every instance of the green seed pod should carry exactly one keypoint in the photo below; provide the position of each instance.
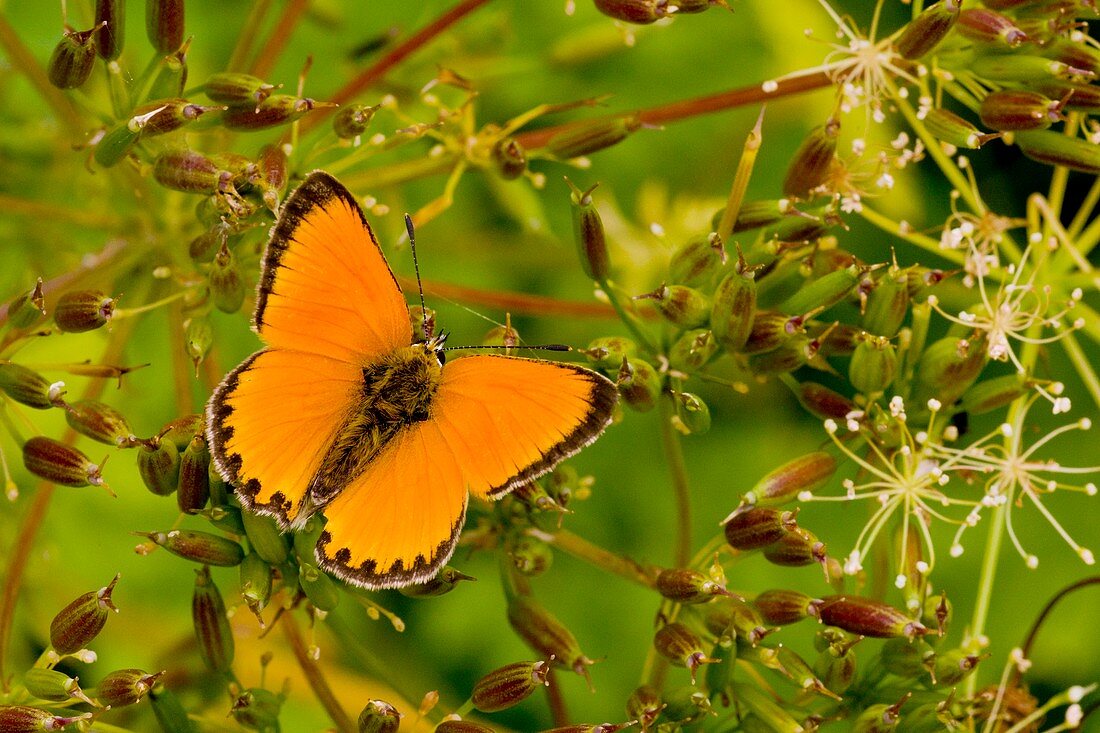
(948, 368)
(1019, 68)
(305, 539)
(767, 710)
(83, 310)
(25, 386)
(642, 12)
(52, 685)
(953, 667)
(531, 557)
(608, 352)
(692, 350)
(679, 645)
(755, 214)
(233, 88)
(258, 709)
(165, 115)
(692, 414)
(680, 305)
(684, 585)
(1073, 97)
(461, 726)
(888, 303)
(110, 19)
(991, 394)
(352, 121)
(867, 617)
(796, 549)
(592, 137)
(100, 421)
(811, 163)
(379, 717)
(200, 547)
(698, 260)
(835, 666)
(874, 365)
(544, 633)
(72, 60)
(802, 226)
(226, 284)
(750, 528)
(805, 473)
(639, 384)
(319, 588)
(990, 28)
(907, 658)
(125, 687)
(115, 144)
(198, 337)
(194, 476)
(824, 292)
(1054, 148)
(171, 75)
(954, 130)
(277, 109)
(212, 628)
(509, 685)
(509, 159)
(255, 582)
(191, 172)
(822, 402)
(441, 584)
(796, 669)
(937, 611)
(783, 607)
(684, 706)
(927, 30)
(273, 169)
(27, 309)
(24, 719)
(878, 718)
(736, 619)
(588, 233)
(59, 463)
(644, 705)
(169, 713)
(798, 351)
(1011, 109)
(74, 626)
(769, 331)
(929, 718)
(734, 308)
(265, 539)
(164, 24)
(158, 463)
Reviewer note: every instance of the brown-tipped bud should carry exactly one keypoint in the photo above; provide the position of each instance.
(874, 365)
(191, 172)
(25, 386)
(52, 685)
(823, 402)
(509, 159)
(100, 421)
(125, 687)
(233, 88)
(278, 109)
(679, 645)
(641, 12)
(194, 476)
(226, 284)
(319, 588)
(639, 384)
(110, 19)
(164, 24)
(83, 310)
(212, 628)
(592, 137)
(812, 161)
(751, 528)
(608, 352)
(769, 331)
(795, 549)
(544, 633)
(736, 619)
(352, 121)
(805, 473)
(443, 583)
(265, 539)
(644, 705)
(926, 31)
(200, 547)
(771, 713)
(685, 705)
(508, 686)
(825, 291)
(782, 607)
(907, 658)
(461, 726)
(684, 585)
(1054, 148)
(74, 626)
(683, 306)
(72, 60)
(28, 308)
(947, 368)
(254, 580)
(954, 130)
(692, 414)
(257, 709)
(198, 337)
(165, 115)
(990, 394)
(24, 719)
(953, 666)
(537, 500)
(734, 308)
(692, 350)
(158, 463)
(60, 463)
(698, 260)
(531, 557)
(879, 718)
(379, 717)
(867, 617)
(273, 166)
(1011, 109)
(989, 27)
(795, 668)
(588, 233)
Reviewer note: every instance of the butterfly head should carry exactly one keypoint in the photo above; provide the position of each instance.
(434, 345)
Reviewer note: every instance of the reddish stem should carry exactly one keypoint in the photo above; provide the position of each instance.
(269, 53)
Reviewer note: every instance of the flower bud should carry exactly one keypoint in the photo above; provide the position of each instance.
(1019, 68)
(1054, 148)
(100, 421)
(509, 685)
(25, 386)
(59, 463)
(990, 28)
(531, 557)
(545, 634)
(734, 619)
(165, 115)
(795, 549)
(639, 384)
(83, 310)
(164, 24)
(692, 350)
(319, 588)
(684, 585)
(28, 308)
(769, 331)
(926, 31)
(110, 19)
(835, 666)
(379, 717)
(684, 706)
(822, 402)
(734, 308)
(255, 583)
(461, 726)
(265, 539)
(952, 667)
(907, 658)
(592, 137)
(115, 144)
(805, 473)
(1011, 109)
(158, 463)
(768, 710)
(750, 528)
(588, 233)
(874, 365)
(697, 261)
(954, 130)
(125, 687)
(225, 282)
(796, 669)
(888, 303)
(824, 292)
(644, 705)
(679, 645)
(642, 12)
(191, 172)
(277, 109)
(608, 352)
(171, 74)
(24, 719)
(878, 718)
(200, 547)
(867, 617)
(52, 685)
(194, 476)
(72, 60)
(212, 628)
(352, 121)
(683, 306)
(273, 166)
(74, 626)
(796, 352)
(811, 163)
(198, 337)
(441, 584)
(509, 158)
(234, 88)
(947, 368)
(990, 394)
(257, 709)
(692, 414)
(782, 607)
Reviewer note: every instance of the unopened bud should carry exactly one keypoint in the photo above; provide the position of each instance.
(953, 667)
(198, 337)
(191, 172)
(165, 115)
(115, 144)
(264, 537)
(194, 476)
(644, 705)
(158, 463)
(197, 546)
(685, 705)
(25, 386)
(795, 549)
(954, 130)
(692, 414)
(233, 88)
(509, 685)
(592, 137)
(684, 585)
(379, 717)
(948, 367)
(824, 292)
(77, 624)
(769, 331)
(990, 394)
(782, 607)
(171, 75)
(461, 726)
(254, 580)
(835, 666)
(907, 658)
(1011, 109)
(874, 365)
(272, 165)
(257, 709)
(125, 687)
(639, 384)
(1055, 148)
(72, 60)
(226, 284)
(509, 159)
(212, 628)
(531, 557)
(698, 260)
(28, 308)
(823, 402)
(544, 633)
(608, 352)
(926, 31)
(443, 583)
(751, 528)
(164, 24)
(734, 308)
(588, 233)
(679, 645)
(683, 306)
(24, 719)
(811, 163)
(319, 588)
(100, 421)
(60, 463)
(805, 473)
(110, 19)
(736, 619)
(989, 27)
(277, 109)
(879, 718)
(642, 12)
(692, 350)
(352, 121)
(83, 310)
(867, 617)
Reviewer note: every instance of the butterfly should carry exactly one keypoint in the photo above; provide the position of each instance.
(344, 412)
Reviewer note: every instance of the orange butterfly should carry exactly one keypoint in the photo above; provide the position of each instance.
(345, 414)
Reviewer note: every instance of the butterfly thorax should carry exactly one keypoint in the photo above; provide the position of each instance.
(396, 392)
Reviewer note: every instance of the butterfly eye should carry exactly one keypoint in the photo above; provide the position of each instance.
(441, 356)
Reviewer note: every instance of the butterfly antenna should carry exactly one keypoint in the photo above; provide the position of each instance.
(416, 268)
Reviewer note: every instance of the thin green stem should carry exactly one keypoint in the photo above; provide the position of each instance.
(597, 556)
(1083, 365)
(674, 455)
(627, 316)
(917, 239)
